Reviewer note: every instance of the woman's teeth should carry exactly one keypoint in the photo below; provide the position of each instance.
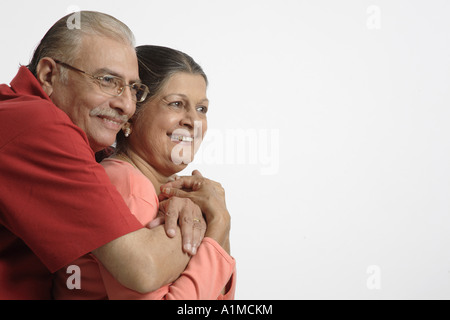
(182, 138)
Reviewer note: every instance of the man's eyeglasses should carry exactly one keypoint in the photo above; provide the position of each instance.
(113, 85)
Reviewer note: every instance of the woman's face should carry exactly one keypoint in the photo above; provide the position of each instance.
(170, 127)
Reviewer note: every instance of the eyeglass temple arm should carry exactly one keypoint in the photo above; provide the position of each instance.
(70, 67)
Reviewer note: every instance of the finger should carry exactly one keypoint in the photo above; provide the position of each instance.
(186, 225)
(162, 197)
(174, 192)
(171, 212)
(197, 173)
(183, 182)
(159, 220)
(198, 233)
(196, 185)
(155, 222)
(173, 178)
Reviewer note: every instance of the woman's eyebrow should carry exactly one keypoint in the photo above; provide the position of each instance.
(184, 97)
(176, 94)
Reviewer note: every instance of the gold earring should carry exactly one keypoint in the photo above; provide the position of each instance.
(127, 132)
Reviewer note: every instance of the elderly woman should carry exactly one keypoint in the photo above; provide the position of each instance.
(154, 145)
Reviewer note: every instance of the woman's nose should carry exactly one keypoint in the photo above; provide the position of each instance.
(188, 118)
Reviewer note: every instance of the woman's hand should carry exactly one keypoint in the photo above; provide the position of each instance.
(210, 196)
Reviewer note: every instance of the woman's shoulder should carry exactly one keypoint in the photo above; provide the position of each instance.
(127, 179)
(136, 189)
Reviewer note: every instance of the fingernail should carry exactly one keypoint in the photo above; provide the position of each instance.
(187, 247)
(171, 232)
(166, 190)
(194, 250)
(152, 223)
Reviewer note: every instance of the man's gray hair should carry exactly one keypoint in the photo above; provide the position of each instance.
(63, 40)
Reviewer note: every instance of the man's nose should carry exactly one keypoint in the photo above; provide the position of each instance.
(124, 103)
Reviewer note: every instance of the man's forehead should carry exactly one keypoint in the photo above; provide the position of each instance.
(109, 56)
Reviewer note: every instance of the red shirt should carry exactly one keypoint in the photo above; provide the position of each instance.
(56, 202)
(208, 271)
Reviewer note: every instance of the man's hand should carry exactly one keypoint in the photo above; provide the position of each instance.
(190, 218)
(210, 196)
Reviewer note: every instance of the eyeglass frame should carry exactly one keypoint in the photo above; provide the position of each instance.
(100, 78)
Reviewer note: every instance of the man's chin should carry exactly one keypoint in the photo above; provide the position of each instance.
(102, 144)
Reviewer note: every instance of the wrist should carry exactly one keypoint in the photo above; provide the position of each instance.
(219, 229)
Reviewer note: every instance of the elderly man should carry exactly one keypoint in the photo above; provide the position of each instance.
(56, 202)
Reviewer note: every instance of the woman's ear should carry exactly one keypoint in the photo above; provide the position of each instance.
(46, 73)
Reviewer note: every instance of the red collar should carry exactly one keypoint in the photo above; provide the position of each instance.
(25, 83)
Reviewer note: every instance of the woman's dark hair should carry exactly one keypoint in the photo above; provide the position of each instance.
(156, 66)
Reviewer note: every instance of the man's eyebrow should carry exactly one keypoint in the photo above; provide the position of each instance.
(107, 71)
(104, 71)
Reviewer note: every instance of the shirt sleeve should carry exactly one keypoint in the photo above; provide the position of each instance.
(57, 199)
(207, 274)
(209, 271)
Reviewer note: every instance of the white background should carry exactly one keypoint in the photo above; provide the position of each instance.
(329, 129)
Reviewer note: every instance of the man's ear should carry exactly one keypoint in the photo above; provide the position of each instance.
(46, 74)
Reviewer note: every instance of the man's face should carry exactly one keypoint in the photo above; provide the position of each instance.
(99, 115)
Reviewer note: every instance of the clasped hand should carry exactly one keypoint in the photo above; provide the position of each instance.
(187, 214)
